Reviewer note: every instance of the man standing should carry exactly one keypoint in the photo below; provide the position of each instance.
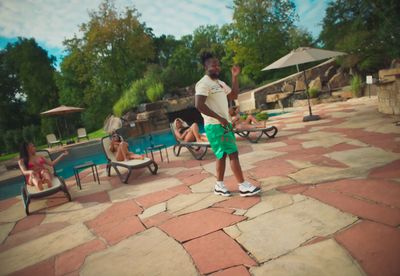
(211, 98)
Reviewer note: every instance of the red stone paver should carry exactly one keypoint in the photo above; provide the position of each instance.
(118, 230)
(217, 251)
(370, 189)
(99, 197)
(72, 260)
(27, 223)
(118, 211)
(233, 271)
(32, 234)
(194, 179)
(149, 200)
(157, 219)
(272, 167)
(375, 246)
(364, 209)
(239, 202)
(45, 267)
(7, 203)
(391, 170)
(293, 189)
(196, 224)
(187, 173)
(180, 189)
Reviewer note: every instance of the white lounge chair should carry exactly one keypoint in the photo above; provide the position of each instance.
(82, 134)
(29, 192)
(130, 165)
(192, 147)
(52, 140)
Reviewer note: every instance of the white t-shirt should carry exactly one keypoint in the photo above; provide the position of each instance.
(216, 92)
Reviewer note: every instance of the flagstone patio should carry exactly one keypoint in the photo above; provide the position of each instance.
(330, 205)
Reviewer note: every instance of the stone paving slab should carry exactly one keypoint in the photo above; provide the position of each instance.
(270, 235)
(5, 229)
(45, 247)
(150, 252)
(375, 246)
(323, 258)
(194, 225)
(217, 251)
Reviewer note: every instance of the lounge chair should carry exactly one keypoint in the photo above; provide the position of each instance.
(270, 132)
(52, 140)
(197, 149)
(130, 165)
(82, 134)
(29, 192)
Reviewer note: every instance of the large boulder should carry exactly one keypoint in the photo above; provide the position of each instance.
(287, 87)
(300, 86)
(339, 80)
(329, 73)
(316, 83)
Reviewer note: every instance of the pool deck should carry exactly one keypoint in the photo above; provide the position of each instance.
(330, 205)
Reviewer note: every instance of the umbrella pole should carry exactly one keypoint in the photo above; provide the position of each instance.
(58, 128)
(310, 117)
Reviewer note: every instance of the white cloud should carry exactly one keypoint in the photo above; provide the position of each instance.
(52, 21)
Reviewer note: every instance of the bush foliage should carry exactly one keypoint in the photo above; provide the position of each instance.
(262, 116)
(356, 84)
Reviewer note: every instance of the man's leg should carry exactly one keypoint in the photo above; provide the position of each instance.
(245, 188)
(220, 166)
(220, 188)
(235, 166)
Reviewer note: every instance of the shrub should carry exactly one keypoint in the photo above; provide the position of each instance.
(313, 92)
(155, 92)
(12, 140)
(356, 86)
(262, 116)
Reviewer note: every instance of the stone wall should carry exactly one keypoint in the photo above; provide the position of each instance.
(389, 97)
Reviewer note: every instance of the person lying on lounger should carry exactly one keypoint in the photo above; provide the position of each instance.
(240, 123)
(120, 149)
(188, 133)
(34, 167)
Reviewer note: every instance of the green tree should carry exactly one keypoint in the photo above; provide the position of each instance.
(261, 33)
(27, 86)
(113, 52)
(369, 31)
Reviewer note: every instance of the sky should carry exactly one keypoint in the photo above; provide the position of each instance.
(52, 21)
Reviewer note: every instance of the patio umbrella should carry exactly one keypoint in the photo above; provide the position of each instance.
(61, 111)
(299, 56)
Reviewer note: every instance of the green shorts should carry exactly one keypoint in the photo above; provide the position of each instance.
(221, 142)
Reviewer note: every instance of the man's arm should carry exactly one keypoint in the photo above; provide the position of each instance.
(235, 83)
(200, 103)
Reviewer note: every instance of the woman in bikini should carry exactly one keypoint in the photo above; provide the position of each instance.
(249, 123)
(34, 166)
(188, 133)
(121, 150)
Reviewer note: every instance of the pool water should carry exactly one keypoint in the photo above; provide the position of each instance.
(93, 152)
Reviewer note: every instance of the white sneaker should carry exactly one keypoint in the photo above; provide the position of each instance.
(219, 189)
(246, 189)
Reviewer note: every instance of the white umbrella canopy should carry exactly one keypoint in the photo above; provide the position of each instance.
(302, 55)
(299, 56)
(62, 109)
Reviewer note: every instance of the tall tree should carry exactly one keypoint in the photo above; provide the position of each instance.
(113, 52)
(369, 30)
(261, 33)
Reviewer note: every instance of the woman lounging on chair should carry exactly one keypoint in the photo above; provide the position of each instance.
(187, 133)
(120, 149)
(244, 124)
(34, 167)
(244, 128)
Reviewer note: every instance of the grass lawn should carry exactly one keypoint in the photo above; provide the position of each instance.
(93, 135)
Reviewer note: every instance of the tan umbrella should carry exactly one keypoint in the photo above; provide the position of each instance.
(60, 111)
(299, 56)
